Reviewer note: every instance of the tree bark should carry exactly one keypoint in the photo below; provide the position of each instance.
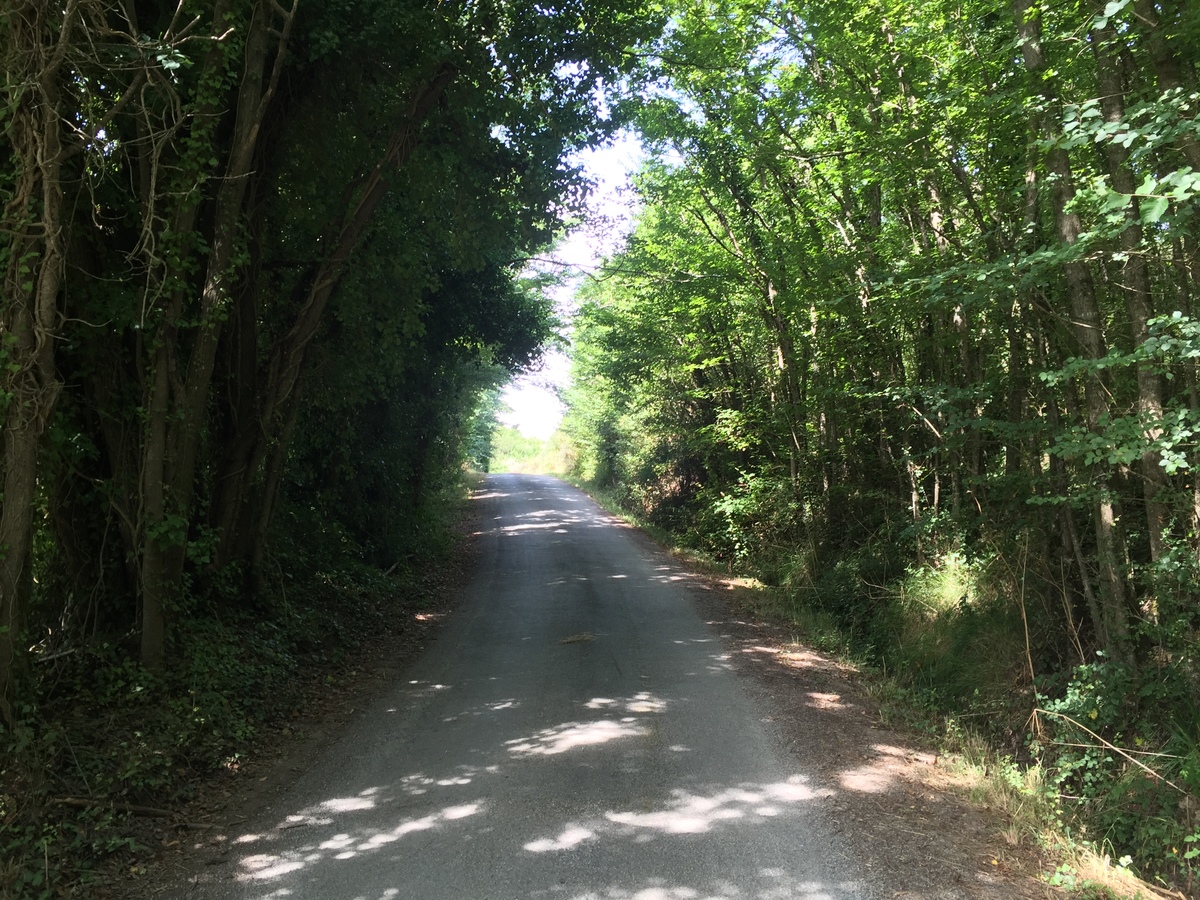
(31, 315)
(265, 440)
(1168, 67)
(178, 400)
(1086, 323)
(1134, 281)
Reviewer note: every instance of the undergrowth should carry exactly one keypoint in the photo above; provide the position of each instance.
(1094, 762)
(105, 740)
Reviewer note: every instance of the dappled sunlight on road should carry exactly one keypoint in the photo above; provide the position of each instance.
(767, 884)
(687, 812)
(575, 734)
(572, 735)
(347, 844)
(428, 805)
(563, 513)
(418, 784)
(721, 663)
(556, 519)
(639, 703)
(571, 837)
(692, 813)
(485, 708)
(348, 804)
(375, 820)
(528, 526)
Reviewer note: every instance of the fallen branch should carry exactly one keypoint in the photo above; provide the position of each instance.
(132, 809)
(1115, 749)
(135, 810)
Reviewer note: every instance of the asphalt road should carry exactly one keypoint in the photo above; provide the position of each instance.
(576, 731)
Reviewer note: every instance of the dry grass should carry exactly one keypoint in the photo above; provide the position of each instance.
(1029, 804)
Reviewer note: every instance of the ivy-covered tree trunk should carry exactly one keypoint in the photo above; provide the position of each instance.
(179, 389)
(33, 247)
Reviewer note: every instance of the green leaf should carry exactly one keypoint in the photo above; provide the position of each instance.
(1154, 209)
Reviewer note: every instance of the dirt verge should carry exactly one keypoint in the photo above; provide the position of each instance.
(901, 809)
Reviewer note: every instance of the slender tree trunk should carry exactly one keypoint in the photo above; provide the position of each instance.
(156, 535)
(769, 275)
(1168, 67)
(179, 393)
(1134, 281)
(234, 475)
(1017, 388)
(1086, 324)
(267, 439)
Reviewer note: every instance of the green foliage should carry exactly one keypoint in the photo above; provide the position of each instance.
(512, 451)
(1172, 343)
(1095, 741)
(266, 374)
(104, 728)
(903, 327)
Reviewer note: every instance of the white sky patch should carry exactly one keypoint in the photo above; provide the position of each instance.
(533, 398)
(533, 404)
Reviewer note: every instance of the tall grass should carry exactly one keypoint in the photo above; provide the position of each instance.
(514, 452)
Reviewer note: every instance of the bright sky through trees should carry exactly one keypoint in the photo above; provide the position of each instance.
(533, 398)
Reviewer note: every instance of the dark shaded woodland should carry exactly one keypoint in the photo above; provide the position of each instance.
(262, 265)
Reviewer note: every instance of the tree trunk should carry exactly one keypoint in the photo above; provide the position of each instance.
(265, 438)
(177, 401)
(33, 220)
(769, 274)
(1168, 68)
(1134, 282)
(1086, 323)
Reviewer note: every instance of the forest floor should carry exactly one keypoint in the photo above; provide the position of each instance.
(904, 811)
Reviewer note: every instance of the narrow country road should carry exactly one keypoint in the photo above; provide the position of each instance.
(575, 732)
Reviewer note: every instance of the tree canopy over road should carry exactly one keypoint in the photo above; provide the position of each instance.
(906, 326)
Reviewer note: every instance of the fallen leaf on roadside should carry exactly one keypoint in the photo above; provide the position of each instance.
(580, 638)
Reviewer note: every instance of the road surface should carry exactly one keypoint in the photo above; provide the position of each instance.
(576, 731)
